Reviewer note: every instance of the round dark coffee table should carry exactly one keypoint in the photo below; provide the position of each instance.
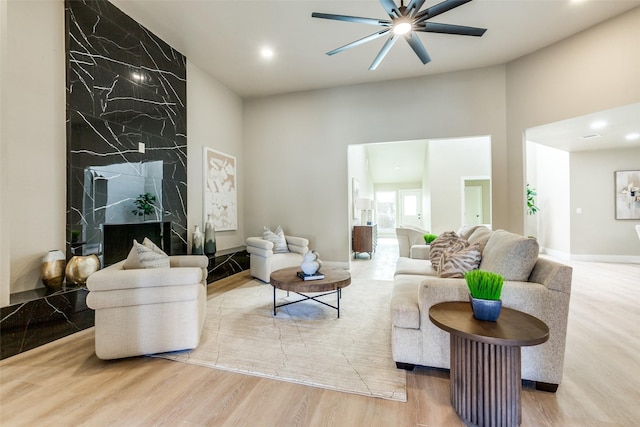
(485, 361)
(287, 279)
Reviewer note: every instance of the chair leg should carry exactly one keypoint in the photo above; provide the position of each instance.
(405, 366)
(549, 387)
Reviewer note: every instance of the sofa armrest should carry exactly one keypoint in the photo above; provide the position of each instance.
(260, 247)
(115, 277)
(297, 244)
(553, 275)
(420, 252)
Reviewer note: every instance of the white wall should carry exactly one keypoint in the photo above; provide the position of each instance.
(595, 70)
(358, 167)
(214, 120)
(296, 145)
(554, 190)
(596, 234)
(33, 138)
(450, 160)
(4, 150)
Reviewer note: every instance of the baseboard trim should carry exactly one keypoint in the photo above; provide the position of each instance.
(565, 256)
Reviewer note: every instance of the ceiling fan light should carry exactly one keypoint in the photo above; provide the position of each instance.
(401, 27)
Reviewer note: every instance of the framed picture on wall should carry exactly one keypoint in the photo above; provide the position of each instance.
(627, 187)
(220, 189)
(355, 195)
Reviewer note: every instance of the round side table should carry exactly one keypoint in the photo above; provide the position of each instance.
(485, 361)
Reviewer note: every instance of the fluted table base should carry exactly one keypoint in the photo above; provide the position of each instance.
(485, 382)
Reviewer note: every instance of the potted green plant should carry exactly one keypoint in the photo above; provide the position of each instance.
(144, 205)
(428, 238)
(532, 209)
(485, 289)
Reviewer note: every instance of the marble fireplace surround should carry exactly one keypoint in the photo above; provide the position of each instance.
(126, 106)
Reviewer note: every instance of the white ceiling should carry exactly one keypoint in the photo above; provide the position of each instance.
(224, 38)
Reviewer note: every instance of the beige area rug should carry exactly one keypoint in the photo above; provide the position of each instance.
(304, 343)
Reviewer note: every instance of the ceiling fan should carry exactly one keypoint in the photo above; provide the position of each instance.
(405, 21)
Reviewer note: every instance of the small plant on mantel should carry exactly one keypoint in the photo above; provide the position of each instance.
(484, 284)
(144, 205)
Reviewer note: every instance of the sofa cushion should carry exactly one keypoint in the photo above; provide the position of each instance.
(146, 255)
(510, 255)
(480, 236)
(277, 238)
(447, 241)
(414, 267)
(456, 263)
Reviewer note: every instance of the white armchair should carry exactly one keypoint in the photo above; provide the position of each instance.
(408, 236)
(148, 310)
(262, 259)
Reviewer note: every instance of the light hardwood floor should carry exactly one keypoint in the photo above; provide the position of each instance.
(64, 384)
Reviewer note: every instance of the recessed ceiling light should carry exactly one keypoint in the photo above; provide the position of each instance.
(266, 52)
(599, 124)
(632, 136)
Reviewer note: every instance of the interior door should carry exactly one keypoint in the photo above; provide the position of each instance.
(473, 205)
(411, 207)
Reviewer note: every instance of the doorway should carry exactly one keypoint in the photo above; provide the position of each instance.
(476, 201)
(410, 207)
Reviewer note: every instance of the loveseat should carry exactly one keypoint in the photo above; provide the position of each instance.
(535, 285)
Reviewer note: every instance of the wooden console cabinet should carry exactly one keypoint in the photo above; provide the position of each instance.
(364, 239)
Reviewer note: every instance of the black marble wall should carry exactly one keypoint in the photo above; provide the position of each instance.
(126, 106)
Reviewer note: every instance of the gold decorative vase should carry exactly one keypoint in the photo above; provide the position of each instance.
(52, 269)
(79, 268)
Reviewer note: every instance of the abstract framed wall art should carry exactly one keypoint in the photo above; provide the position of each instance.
(220, 189)
(627, 194)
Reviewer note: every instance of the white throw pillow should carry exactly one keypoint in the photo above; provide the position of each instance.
(277, 238)
(146, 255)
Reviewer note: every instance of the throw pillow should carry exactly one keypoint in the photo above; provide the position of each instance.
(455, 264)
(146, 255)
(277, 238)
(447, 241)
(511, 255)
(480, 236)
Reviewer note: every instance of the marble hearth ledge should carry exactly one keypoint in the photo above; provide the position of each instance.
(38, 317)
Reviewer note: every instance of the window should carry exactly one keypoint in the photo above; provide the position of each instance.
(386, 210)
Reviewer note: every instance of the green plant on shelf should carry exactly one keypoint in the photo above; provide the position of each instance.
(484, 284)
(144, 205)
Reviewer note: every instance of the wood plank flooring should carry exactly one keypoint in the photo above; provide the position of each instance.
(64, 384)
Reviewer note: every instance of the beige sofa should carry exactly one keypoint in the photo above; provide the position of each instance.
(543, 292)
(148, 310)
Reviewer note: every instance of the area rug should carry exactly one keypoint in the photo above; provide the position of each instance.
(304, 343)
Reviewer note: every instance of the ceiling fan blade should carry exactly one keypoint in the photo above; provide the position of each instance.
(438, 9)
(418, 47)
(391, 8)
(359, 42)
(414, 6)
(347, 18)
(461, 30)
(383, 52)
